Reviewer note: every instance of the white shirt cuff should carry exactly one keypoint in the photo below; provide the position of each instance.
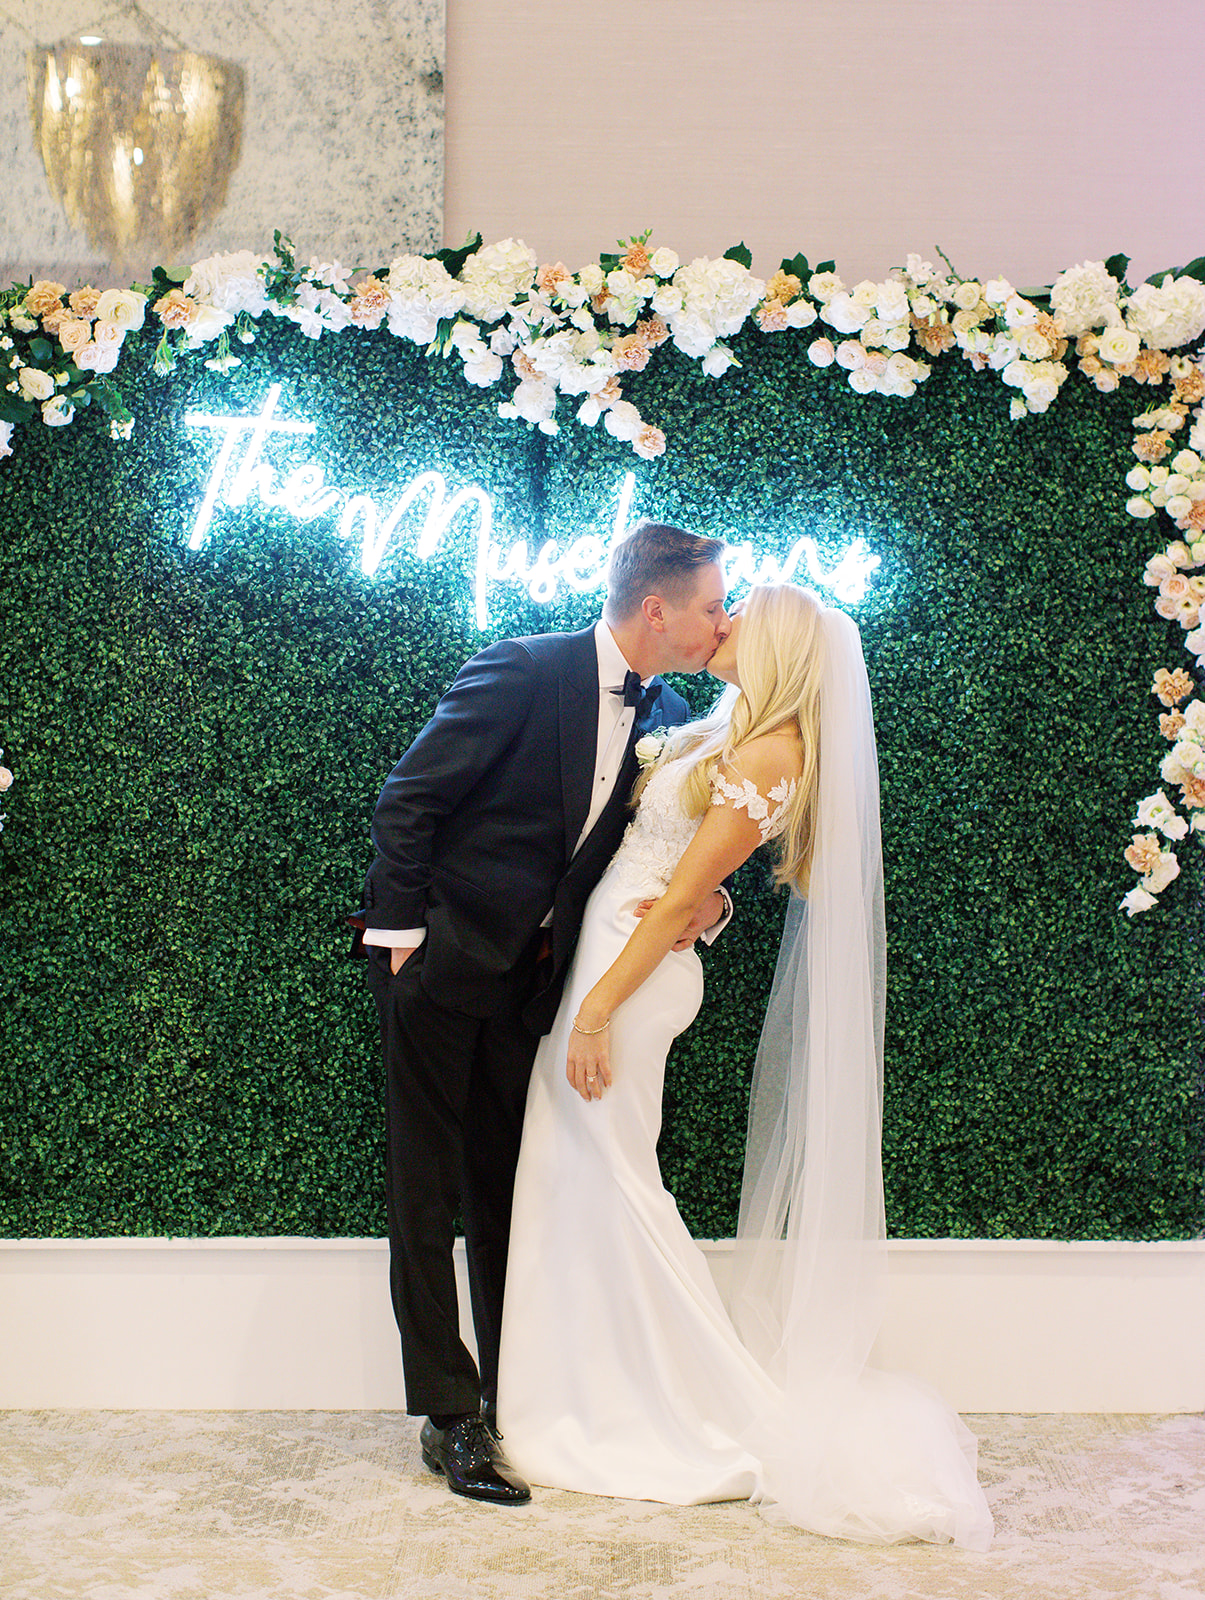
(395, 938)
(717, 928)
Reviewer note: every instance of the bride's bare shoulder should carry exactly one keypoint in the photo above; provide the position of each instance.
(770, 757)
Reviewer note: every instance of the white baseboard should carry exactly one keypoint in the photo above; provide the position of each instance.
(236, 1324)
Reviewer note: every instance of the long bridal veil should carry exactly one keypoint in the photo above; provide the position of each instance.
(851, 1452)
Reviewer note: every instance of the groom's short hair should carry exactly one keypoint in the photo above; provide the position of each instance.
(656, 558)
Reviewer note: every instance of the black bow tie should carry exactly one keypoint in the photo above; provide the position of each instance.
(634, 695)
(632, 690)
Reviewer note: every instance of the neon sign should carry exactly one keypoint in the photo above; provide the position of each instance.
(303, 492)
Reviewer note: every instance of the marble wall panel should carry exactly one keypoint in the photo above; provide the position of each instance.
(343, 130)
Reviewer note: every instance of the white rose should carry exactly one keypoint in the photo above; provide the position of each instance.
(874, 332)
(6, 433)
(822, 353)
(823, 286)
(1032, 344)
(864, 293)
(1177, 507)
(57, 413)
(1041, 383)
(801, 313)
(1169, 314)
(35, 384)
(664, 263)
(845, 314)
(863, 381)
(851, 355)
(122, 306)
(647, 749)
(891, 302)
(1119, 346)
(966, 296)
(1187, 462)
(621, 283)
(1017, 409)
(923, 305)
(205, 323)
(1196, 641)
(964, 321)
(1138, 506)
(1138, 478)
(96, 357)
(1157, 570)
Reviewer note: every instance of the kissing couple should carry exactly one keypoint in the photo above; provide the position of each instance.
(530, 920)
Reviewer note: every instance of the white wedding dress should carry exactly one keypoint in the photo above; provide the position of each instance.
(621, 1371)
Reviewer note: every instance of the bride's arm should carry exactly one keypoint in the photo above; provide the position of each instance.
(726, 837)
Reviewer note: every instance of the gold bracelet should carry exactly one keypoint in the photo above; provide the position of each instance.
(577, 1028)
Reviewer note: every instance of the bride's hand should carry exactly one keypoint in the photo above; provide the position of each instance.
(589, 1065)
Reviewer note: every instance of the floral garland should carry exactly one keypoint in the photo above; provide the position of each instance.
(577, 335)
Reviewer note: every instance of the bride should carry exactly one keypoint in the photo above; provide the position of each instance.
(622, 1372)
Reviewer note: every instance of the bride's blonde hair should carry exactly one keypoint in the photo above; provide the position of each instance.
(780, 662)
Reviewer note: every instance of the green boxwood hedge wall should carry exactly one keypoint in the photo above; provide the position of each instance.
(198, 739)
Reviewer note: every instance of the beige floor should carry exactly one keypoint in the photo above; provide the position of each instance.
(337, 1506)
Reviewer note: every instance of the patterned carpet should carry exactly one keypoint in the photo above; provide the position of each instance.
(337, 1506)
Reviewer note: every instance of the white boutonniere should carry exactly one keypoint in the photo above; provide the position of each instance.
(648, 748)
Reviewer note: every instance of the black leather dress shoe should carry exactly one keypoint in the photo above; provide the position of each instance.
(472, 1461)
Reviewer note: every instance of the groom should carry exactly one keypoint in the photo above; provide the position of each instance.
(490, 833)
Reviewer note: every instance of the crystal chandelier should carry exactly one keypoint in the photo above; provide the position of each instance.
(138, 141)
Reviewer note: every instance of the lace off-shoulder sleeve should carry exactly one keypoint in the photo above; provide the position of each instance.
(767, 810)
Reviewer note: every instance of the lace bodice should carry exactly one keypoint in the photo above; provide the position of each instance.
(659, 833)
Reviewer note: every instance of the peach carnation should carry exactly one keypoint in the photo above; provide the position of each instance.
(369, 302)
(52, 319)
(609, 393)
(525, 366)
(549, 279)
(771, 316)
(1106, 380)
(598, 302)
(653, 331)
(1192, 388)
(1152, 446)
(1170, 723)
(1193, 790)
(1151, 366)
(1143, 854)
(84, 301)
(175, 309)
(636, 261)
(43, 297)
(631, 353)
(935, 337)
(649, 442)
(1172, 687)
(783, 286)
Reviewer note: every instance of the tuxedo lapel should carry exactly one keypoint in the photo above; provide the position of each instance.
(578, 711)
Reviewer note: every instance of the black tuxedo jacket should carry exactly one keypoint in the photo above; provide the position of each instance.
(476, 825)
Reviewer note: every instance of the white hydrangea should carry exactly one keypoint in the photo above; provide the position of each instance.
(422, 294)
(230, 282)
(1085, 297)
(717, 296)
(495, 276)
(1168, 314)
